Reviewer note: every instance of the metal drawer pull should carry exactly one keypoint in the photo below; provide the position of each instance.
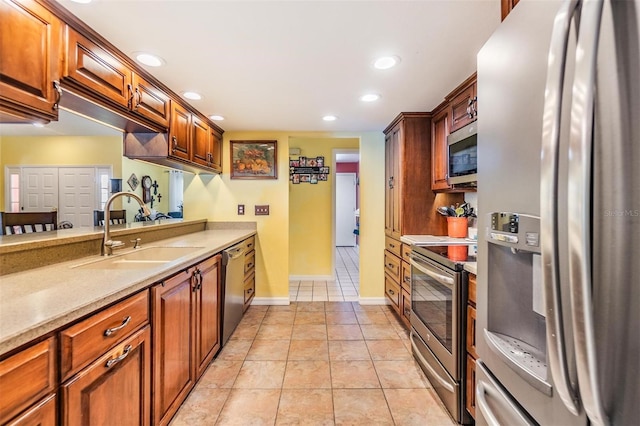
(114, 361)
(109, 331)
(249, 265)
(391, 292)
(249, 290)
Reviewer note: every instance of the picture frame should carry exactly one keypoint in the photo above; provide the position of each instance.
(254, 159)
(133, 181)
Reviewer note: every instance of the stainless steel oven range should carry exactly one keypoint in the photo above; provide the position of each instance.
(438, 295)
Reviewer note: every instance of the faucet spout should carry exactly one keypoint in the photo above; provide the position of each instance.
(107, 243)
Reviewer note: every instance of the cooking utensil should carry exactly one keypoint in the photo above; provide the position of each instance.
(451, 211)
(443, 210)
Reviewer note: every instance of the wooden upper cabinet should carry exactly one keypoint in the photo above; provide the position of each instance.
(201, 142)
(180, 132)
(216, 150)
(506, 6)
(439, 150)
(31, 46)
(96, 69)
(149, 101)
(463, 106)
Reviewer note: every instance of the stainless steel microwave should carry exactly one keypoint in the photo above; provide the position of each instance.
(463, 156)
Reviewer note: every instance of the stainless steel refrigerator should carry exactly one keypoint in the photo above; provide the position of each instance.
(558, 304)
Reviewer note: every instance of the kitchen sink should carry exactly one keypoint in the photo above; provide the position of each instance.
(146, 257)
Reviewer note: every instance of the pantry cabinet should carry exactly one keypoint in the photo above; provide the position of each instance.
(31, 65)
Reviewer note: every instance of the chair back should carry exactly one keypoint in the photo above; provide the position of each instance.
(28, 222)
(115, 217)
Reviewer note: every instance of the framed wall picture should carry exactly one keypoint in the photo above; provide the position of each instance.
(254, 160)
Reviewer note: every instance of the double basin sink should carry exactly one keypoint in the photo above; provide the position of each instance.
(146, 257)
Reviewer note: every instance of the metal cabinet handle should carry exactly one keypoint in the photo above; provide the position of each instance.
(407, 279)
(109, 331)
(114, 361)
(391, 292)
(197, 279)
(390, 266)
(58, 90)
(391, 182)
(175, 144)
(249, 265)
(392, 245)
(250, 290)
(138, 98)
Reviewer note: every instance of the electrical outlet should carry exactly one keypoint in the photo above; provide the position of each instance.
(262, 210)
(240, 209)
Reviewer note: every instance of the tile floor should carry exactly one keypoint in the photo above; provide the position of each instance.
(343, 289)
(315, 363)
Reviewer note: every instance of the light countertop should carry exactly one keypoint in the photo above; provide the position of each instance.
(433, 240)
(41, 300)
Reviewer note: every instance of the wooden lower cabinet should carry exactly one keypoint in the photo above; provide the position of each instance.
(472, 355)
(207, 312)
(470, 403)
(44, 413)
(115, 389)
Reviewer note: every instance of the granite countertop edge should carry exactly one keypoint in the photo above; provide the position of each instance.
(39, 301)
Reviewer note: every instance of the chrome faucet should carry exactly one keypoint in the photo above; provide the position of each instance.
(107, 243)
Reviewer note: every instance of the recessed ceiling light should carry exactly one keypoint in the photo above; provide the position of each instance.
(192, 95)
(38, 124)
(149, 59)
(329, 118)
(81, 1)
(370, 97)
(216, 117)
(386, 62)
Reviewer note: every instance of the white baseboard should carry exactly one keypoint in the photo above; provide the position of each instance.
(270, 301)
(312, 278)
(374, 301)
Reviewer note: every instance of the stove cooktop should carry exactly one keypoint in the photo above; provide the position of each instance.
(452, 256)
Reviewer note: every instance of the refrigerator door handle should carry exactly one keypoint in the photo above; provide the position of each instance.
(551, 122)
(579, 203)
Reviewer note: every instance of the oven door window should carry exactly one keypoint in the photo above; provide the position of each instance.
(432, 302)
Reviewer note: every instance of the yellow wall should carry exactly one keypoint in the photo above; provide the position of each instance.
(311, 210)
(141, 168)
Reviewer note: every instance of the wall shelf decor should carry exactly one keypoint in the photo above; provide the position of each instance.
(254, 160)
(308, 170)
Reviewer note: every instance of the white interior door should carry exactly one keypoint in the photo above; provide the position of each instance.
(345, 209)
(77, 195)
(39, 189)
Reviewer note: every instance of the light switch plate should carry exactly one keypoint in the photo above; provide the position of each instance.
(240, 209)
(262, 210)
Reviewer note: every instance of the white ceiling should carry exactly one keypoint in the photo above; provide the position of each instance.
(282, 65)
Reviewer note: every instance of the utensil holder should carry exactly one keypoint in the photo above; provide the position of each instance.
(457, 227)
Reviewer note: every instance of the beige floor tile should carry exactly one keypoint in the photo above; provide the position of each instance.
(388, 350)
(353, 375)
(220, 374)
(251, 318)
(268, 350)
(257, 308)
(279, 317)
(260, 375)
(281, 308)
(341, 317)
(305, 407)
(344, 332)
(201, 408)
(245, 331)
(400, 375)
(250, 407)
(348, 350)
(307, 375)
(308, 350)
(379, 332)
(375, 308)
(310, 306)
(372, 317)
(361, 407)
(274, 331)
(310, 317)
(235, 350)
(309, 332)
(416, 407)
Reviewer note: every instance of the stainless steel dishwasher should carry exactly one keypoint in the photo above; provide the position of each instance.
(233, 262)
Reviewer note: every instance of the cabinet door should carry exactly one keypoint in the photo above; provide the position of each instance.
(216, 150)
(207, 337)
(44, 413)
(172, 339)
(396, 196)
(439, 150)
(388, 179)
(30, 42)
(180, 132)
(93, 68)
(462, 108)
(116, 389)
(470, 396)
(201, 142)
(26, 377)
(150, 102)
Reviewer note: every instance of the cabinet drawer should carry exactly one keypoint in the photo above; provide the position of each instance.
(85, 341)
(250, 244)
(470, 402)
(392, 266)
(472, 289)
(249, 289)
(406, 277)
(249, 262)
(406, 252)
(392, 292)
(471, 331)
(26, 377)
(393, 245)
(44, 413)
